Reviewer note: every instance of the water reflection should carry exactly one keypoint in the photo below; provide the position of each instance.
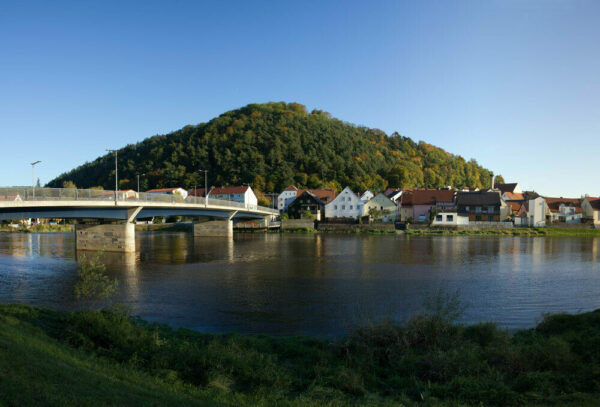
(316, 284)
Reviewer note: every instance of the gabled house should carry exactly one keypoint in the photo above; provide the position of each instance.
(242, 194)
(514, 188)
(563, 210)
(532, 212)
(380, 207)
(286, 197)
(591, 209)
(169, 191)
(346, 205)
(417, 204)
(366, 196)
(307, 202)
(482, 206)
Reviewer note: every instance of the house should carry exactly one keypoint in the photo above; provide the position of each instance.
(286, 197)
(514, 188)
(533, 213)
(242, 194)
(482, 206)
(380, 207)
(449, 217)
(394, 194)
(307, 202)
(563, 210)
(169, 191)
(591, 209)
(346, 205)
(10, 197)
(290, 193)
(416, 204)
(366, 196)
(513, 197)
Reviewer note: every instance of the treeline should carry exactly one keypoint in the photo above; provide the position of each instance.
(270, 146)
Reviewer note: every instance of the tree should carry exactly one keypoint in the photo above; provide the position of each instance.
(94, 287)
(69, 185)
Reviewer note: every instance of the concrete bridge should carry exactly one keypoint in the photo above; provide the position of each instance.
(106, 218)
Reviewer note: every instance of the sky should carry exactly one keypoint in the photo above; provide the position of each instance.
(512, 84)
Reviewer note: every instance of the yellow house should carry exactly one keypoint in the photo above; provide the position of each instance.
(380, 207)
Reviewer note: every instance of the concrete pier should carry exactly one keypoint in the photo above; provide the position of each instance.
(214, 228)
(109, 237)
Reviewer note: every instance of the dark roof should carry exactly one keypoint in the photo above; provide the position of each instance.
(595, 202)
(325, 195)
(506, 187)
(478, 198)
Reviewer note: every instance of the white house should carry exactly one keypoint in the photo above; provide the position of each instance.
(366, 196)
(169, 191)
(242, 194)
(591, 209)
(286, 198)
(346, 205)
(536, 212)
(450, 218)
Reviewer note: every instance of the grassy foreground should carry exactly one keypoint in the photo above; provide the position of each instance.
(551, 232)
(52, 358)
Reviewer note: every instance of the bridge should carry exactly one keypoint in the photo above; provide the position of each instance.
(106, 218)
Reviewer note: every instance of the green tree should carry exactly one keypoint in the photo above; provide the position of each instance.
(94, 287)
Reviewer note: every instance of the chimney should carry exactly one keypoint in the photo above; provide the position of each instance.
(492, 177)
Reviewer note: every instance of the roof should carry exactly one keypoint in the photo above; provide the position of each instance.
(513, 196)
(594, 202)
(163, 190)
(506, 187)
(325, 195)
(196, 192)
(554, 203)
(427, 196)
(515, 206)
(478, 198)
(315, 197)
(229, 190)
(291, 188)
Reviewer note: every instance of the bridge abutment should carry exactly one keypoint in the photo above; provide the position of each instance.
(214, 228)
(109, 237)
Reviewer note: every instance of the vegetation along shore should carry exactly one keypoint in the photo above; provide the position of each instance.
(98, 358)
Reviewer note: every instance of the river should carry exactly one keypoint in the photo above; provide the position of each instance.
(317, 284)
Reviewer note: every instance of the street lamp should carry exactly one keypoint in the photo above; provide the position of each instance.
(116, 172)
(33, 176)
(205, 188)
(138, 180)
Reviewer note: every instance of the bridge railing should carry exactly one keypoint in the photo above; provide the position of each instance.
(72, 194)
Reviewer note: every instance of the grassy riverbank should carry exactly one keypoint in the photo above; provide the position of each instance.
(105, 358)
(43, 228)
(552, 232)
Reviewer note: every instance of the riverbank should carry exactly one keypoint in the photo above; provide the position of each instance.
(106, 358)
(42, 228)
(550, 232)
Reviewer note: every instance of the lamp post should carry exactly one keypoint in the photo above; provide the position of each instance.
(116, 172)
(33, 177)
(138, 182)
(205, 188)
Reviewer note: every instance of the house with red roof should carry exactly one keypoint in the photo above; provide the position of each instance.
(567, 210)
(242, 194)
(591, 209)
(289, 195)
(416, 204)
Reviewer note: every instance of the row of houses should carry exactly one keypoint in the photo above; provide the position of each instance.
(444, 206)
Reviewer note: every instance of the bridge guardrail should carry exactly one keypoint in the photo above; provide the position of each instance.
(70, 194)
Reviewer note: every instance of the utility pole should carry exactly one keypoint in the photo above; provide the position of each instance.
(33, 177)
(116, 173)
(205, 188)
(138, 182)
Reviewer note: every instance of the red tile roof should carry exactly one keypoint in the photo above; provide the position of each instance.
(554, 203)
(163, 190)
(325, 195)
(513, 196)
(229, 190)
(291, 188)
(427, 196)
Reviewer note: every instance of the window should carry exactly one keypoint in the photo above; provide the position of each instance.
(438, 218)
(335, 207)
(343, 207)
(350, 207)
(478, 218)
(491, 209)
(490, 218)
(450, 218)
(478, 209)
(467, 208)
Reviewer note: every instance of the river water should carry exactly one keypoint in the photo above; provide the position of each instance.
(282, 284)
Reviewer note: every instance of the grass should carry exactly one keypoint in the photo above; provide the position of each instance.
(550, 232)
(41, 228)
(98, 358)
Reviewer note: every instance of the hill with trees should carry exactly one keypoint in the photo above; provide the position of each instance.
(272, 145)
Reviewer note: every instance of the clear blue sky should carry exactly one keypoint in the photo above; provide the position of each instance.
(513, 84)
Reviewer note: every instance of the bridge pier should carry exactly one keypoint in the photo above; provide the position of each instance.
(109, 237)
(214, 228)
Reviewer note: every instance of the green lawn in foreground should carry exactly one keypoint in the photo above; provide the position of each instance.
(50, 358)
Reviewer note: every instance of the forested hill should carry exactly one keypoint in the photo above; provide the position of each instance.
(276, 144)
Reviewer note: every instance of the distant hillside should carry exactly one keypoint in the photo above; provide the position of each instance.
(276, 144)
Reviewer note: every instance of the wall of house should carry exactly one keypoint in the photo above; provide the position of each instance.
(345, 205)
(450, 219)
(285, 199)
